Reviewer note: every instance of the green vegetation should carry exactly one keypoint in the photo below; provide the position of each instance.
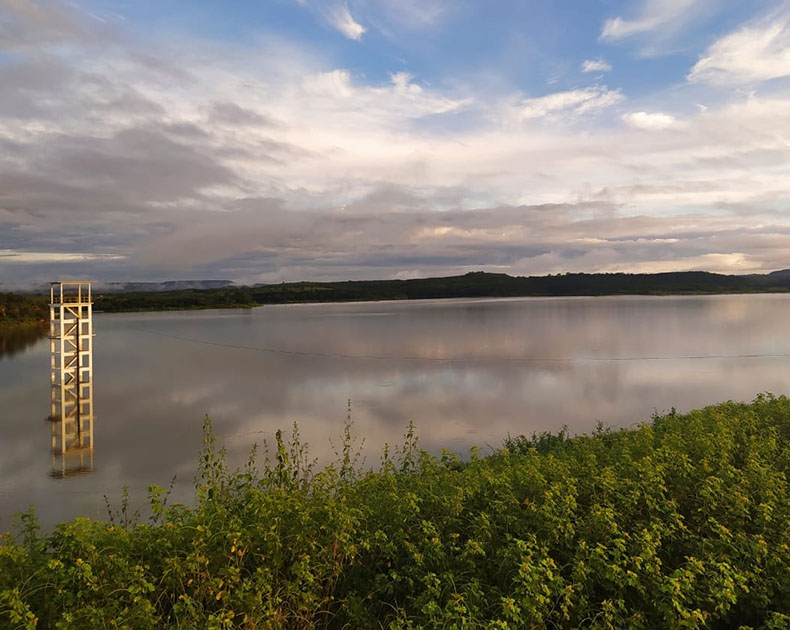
(183, 299)
(23, 321)
(476, 284)
(22, 311)
(679, 523)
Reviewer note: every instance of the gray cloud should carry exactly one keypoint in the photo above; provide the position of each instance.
(188, 163)
(99, 95)
(233, 114)
(333, 244)
(136, 163)
(27, 83)
(29, 23)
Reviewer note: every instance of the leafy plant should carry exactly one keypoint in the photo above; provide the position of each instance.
(681, 522)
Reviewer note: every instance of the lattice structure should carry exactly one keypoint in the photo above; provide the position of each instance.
(71, 377)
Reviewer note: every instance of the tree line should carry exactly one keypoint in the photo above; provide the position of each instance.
(470, 285)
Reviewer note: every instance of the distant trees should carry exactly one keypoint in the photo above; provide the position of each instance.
(22, 310)
(470, 285)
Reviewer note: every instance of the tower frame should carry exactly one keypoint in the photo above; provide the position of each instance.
(71, 376)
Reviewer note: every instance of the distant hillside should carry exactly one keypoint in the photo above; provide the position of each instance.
(470, 285)
(777, 278)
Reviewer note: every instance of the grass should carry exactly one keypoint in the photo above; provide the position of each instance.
(683, 522)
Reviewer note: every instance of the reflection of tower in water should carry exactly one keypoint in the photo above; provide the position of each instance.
(71, 377)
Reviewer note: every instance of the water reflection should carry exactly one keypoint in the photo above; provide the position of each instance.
(465, 371)
(16, 340)
(77, 457)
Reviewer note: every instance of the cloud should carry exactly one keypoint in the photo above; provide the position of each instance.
(334, 84)
(403, 83)
(734, 263)
(549, 238)
(596, 65)
(189, 158)
(337, 15)
(757, 52)
(391, 18)
(618, 28)
(16, 256)
(136, 162)
(649, 120)
(26, 23)
(226, 113)
(340, 17)
(655, 16)
(408, 14)
(574, 101)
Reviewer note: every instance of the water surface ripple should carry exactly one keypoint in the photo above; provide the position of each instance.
(467, 372)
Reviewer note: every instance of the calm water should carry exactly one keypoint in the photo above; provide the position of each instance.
(465, 371)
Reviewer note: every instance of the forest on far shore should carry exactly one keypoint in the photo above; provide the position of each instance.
(17, 310)
(26, 309)
(470, 285)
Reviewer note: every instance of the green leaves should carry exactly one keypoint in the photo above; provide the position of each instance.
(682, 523)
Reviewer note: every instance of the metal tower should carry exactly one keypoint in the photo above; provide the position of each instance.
(71, 377)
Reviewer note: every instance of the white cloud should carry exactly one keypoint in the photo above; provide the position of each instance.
(342, 100)
(654, 15)
(317, 172)
(389, 17)
(337, 14)
(340, 17)
(21, 257)
(649, 120)
(403, 83)
(572, 101)
(756, 52)
(596, 65)
(334, 84)
(618, 28)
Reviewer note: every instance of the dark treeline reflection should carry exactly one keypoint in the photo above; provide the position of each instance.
(16, 340)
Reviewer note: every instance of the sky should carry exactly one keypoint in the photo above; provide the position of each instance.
(284, 140)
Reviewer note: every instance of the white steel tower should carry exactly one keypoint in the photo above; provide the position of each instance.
(71, 377)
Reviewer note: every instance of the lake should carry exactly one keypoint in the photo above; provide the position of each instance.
(466, 372)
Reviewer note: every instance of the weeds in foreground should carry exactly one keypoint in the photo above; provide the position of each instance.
(682, 522)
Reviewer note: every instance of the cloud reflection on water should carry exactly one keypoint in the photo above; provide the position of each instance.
(470, 372)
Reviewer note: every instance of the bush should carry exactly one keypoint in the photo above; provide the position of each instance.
(679, 523)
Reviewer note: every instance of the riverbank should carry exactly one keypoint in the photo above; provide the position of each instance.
(681, 522)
